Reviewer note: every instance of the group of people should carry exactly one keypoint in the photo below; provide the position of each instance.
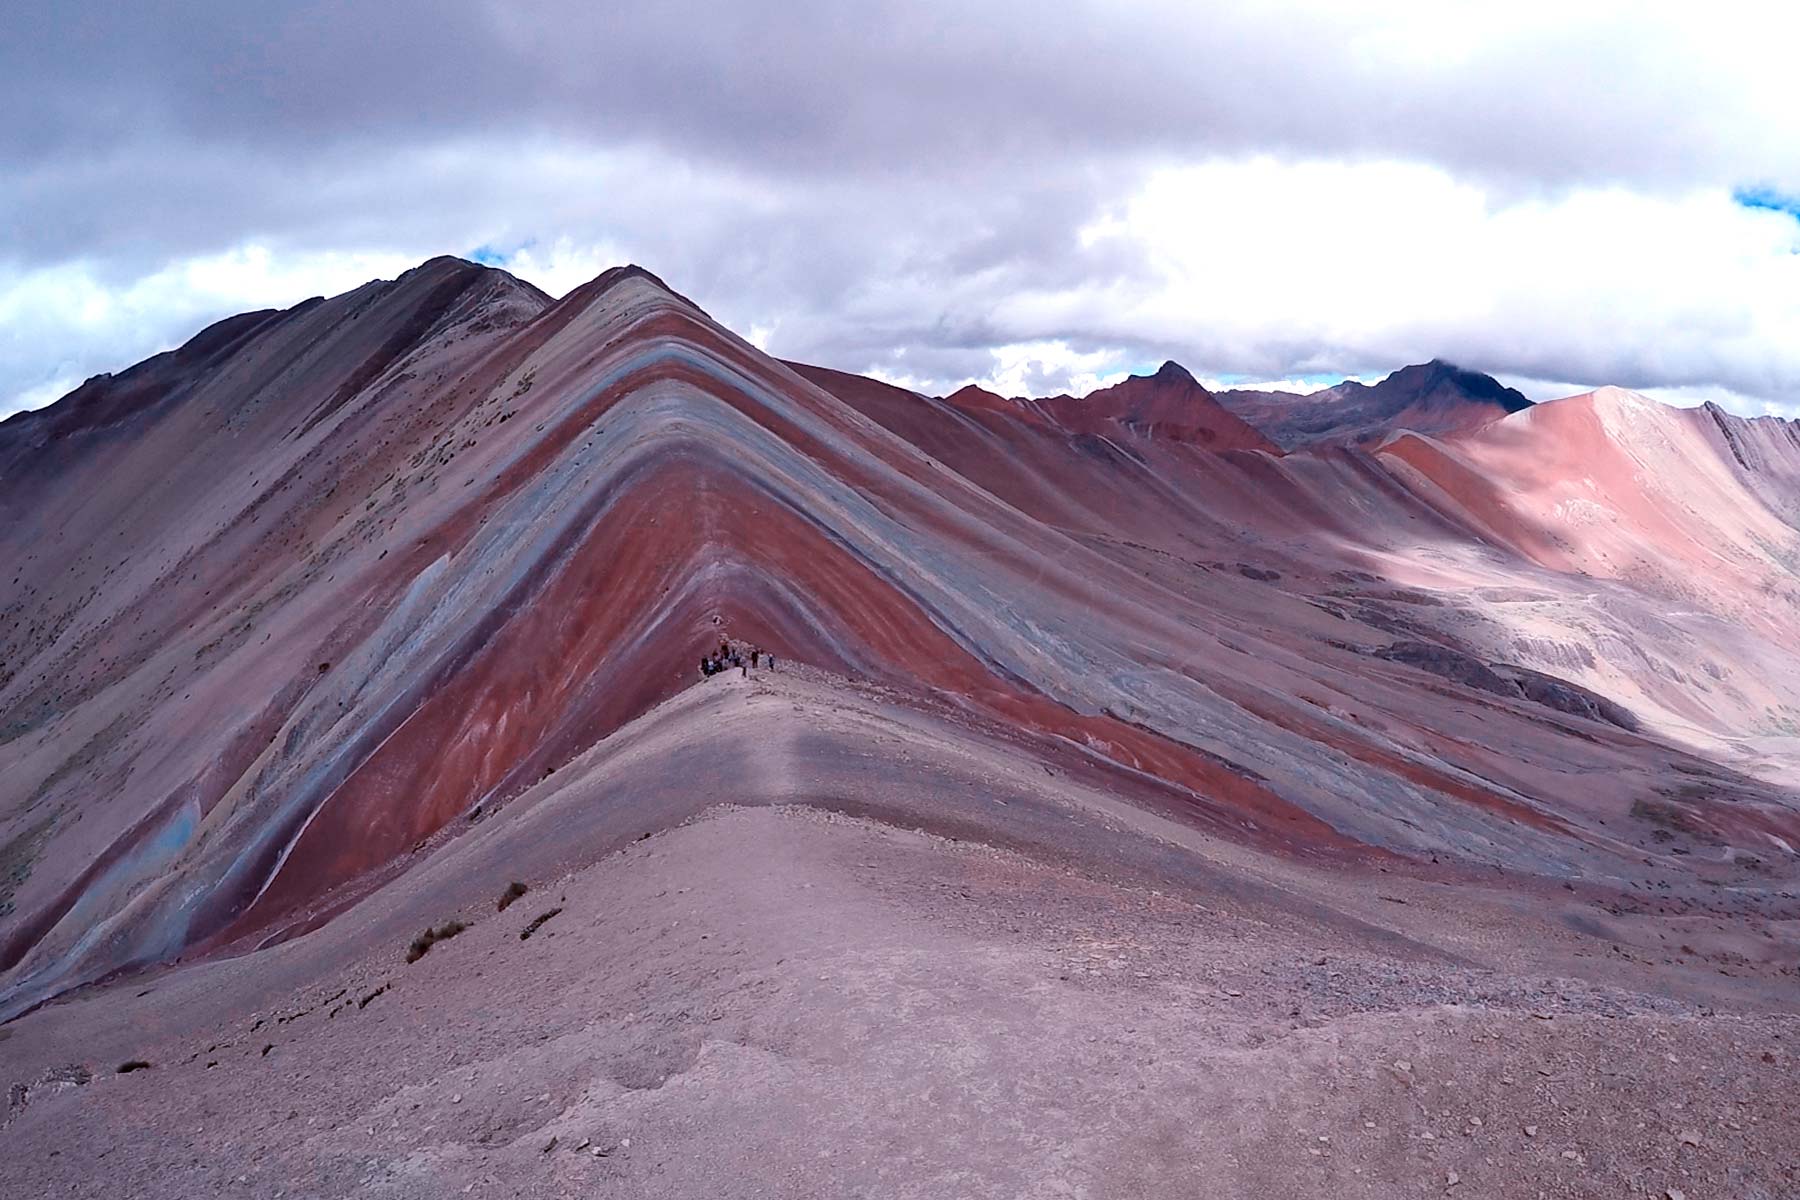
(730, 656)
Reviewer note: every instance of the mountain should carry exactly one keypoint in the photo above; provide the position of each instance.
(1431, 398)
(1169, 405)
(1121, 782)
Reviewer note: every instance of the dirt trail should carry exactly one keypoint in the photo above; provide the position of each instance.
(779, 1002)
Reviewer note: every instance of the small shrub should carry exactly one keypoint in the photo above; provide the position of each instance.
(513, 891)
(136, 1064)
(421, 945)
(536, 921)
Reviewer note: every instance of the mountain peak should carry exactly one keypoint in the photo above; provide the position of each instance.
(1171, 404)
(617, 276)
(1441, 381)
(1432, 397)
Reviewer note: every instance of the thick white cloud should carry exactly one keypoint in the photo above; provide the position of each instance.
(1264, 267)
(936, 191)
(61, 324)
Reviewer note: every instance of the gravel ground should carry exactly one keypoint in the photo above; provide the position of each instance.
(772, 980)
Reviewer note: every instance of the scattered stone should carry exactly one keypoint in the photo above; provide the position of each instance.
(1531, 1131)
(550, 1145)
(1453, 1179)
(1675, 1194)
(456, 1099)
(1689, 1137)
(1402, 1065)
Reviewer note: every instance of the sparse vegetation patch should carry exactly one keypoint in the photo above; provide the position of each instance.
(537, 921)
(421, 945)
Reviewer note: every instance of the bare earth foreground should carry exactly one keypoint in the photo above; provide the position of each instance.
(771, 998)
(1145, 805)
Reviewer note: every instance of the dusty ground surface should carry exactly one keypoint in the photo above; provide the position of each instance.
(767, 998)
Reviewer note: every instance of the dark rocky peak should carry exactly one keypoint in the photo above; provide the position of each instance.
(1443, 382)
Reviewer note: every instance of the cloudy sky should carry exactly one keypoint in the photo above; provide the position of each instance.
(1034, 196)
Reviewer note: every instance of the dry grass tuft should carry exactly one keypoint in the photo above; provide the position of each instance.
(525, 933)
(421, 945)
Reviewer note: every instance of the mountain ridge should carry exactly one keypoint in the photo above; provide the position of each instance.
(1435, 397)
(371, 571)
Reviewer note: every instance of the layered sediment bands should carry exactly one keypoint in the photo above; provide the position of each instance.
(291, 605)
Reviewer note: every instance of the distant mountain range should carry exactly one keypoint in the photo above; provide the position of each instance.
(1434, 398)
(1170, 404)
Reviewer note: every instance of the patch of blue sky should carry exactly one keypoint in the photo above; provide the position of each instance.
(490, 254)
(1768, 198)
